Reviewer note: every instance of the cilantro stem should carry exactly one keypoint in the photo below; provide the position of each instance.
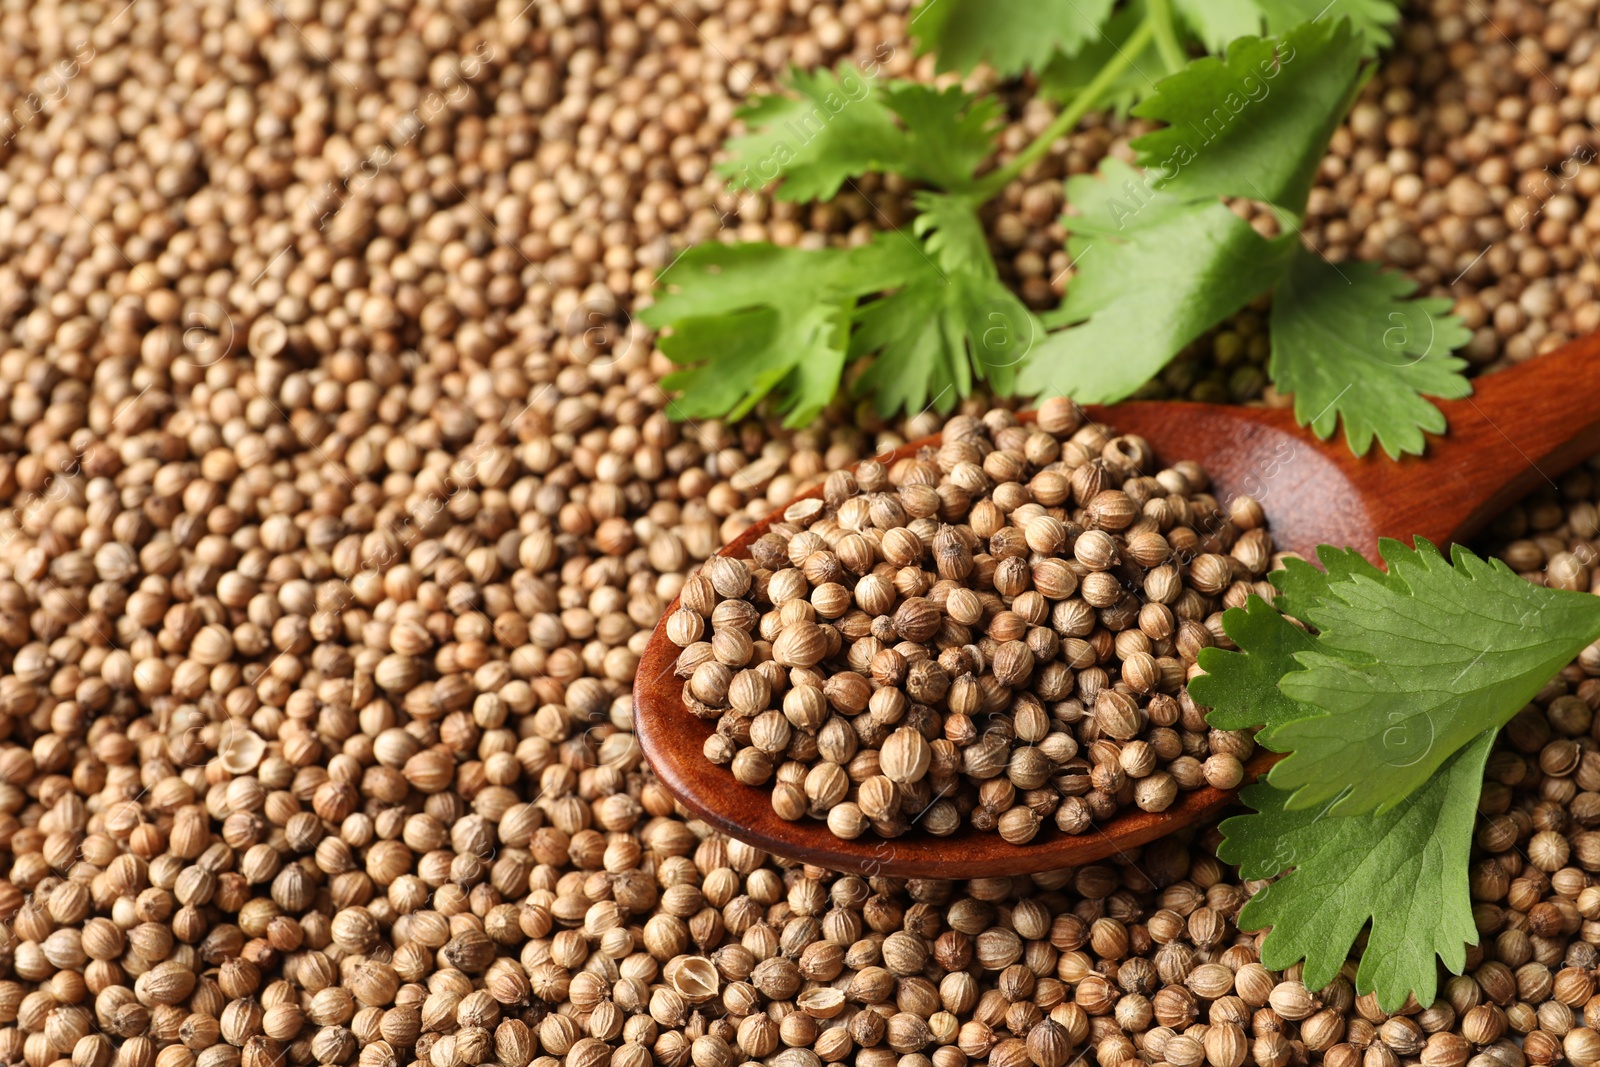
(1087, 97)
(1167, 43)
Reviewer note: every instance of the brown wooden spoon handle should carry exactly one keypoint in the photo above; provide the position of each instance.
(1521, 428)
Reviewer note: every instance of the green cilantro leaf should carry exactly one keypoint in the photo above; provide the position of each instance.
(750, 319)
(838, 126)
(1410, 668)
(1388, 713)
(1217, 22)
(953, 234)
(1159, 261)
(718, 279)
(833, 129)
(1010, 37)
(921, 359)
(1405, 871)
(1300, 585)
(1154, 273)
(953, 322)
(1348, 344)
(1169, 260)
(740, 358)
(1241, 687)
(948, 133)
(753, 320)
(1255, 125)
(1067, 76)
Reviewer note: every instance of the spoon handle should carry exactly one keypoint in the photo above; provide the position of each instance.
(1521, 428)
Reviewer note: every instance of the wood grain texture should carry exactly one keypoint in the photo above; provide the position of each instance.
(1523, 427)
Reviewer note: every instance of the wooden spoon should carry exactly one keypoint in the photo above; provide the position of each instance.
(1521, 428)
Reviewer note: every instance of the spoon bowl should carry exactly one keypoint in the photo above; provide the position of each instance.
(1521, 428)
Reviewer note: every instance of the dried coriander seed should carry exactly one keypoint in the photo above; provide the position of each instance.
(1016, 633)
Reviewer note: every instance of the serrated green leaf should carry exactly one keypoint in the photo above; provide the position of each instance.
(953, 234)
(1301, 586)
(718, 279)
(953, 323)
(1408, 669)
(1219, 22)
(1010, 37)
(948, 132)
(833, 128)
(750, 320)
(997, 329)
(1067, 76)
(1255, 125)
(935, 337)
(1216, 22)
(921, 359)
(1348, 343)
(806, 354)
(1154, 273)
(1405, 872)
(749, 336)
(1241, 688)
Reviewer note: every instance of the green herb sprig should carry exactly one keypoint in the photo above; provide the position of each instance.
(1388, 710)
(1345, 341)
(1159, 257)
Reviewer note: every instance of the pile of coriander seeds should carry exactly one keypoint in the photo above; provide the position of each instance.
(997, 632)
(331, 541)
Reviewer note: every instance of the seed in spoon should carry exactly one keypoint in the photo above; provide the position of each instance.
(995, 633)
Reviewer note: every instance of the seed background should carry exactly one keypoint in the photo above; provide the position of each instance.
(331, 447)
